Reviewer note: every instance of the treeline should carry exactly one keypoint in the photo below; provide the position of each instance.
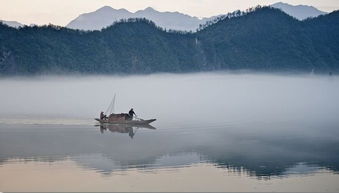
(267, 39)
(230, 15)
(261, 38)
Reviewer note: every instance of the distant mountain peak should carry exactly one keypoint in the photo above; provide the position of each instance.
(122, 9)
(149, 9)
(300, 12)
(105, 8)
(107, 15)
(108, 9)
(14, 24)
(286, 4)
(280, 3)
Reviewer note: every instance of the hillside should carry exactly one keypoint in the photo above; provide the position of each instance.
(133, 46)
(264, 39)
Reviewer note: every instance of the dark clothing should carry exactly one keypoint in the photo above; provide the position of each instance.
(131, 113)
(102, 115)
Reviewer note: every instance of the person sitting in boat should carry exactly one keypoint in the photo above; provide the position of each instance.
(102, 115)
(131, 113)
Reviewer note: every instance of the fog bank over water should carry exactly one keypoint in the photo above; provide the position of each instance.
(184, 98)
(257, 127)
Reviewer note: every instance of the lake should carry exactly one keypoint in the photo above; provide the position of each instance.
(214, 132)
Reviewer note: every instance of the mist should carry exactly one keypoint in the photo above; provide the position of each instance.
(200, 98)
(265, 124)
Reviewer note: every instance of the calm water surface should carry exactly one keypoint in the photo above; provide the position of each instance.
(215, 131)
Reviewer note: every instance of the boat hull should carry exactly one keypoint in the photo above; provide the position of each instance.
(127, 122)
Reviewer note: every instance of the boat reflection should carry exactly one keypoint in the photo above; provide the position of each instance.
(123, 128)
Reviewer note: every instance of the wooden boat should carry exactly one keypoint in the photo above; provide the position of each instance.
(128, 122)
(121, 118)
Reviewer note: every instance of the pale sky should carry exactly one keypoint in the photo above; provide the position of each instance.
(61, 12)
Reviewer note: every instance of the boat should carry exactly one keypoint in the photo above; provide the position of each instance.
(121, 118)
(127, 122)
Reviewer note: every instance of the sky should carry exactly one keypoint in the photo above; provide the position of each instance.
(61, 12)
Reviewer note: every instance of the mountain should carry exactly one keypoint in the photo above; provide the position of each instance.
(300, 12)
(12, 23)
(106, 16)
(133, 46)
(99, 19)
(262, 39)
(171, 20)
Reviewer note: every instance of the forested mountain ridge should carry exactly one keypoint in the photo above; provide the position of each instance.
(264, 39)
(133, 46)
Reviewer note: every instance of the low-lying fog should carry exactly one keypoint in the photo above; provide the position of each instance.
(184, 98)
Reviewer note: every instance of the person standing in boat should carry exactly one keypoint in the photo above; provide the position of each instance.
(131, 113)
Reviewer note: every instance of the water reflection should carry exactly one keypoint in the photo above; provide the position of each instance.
(123, 128)
(259, 152)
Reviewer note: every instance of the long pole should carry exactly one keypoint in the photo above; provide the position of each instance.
(111, 106)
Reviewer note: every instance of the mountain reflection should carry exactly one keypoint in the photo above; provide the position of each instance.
(261, 153)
